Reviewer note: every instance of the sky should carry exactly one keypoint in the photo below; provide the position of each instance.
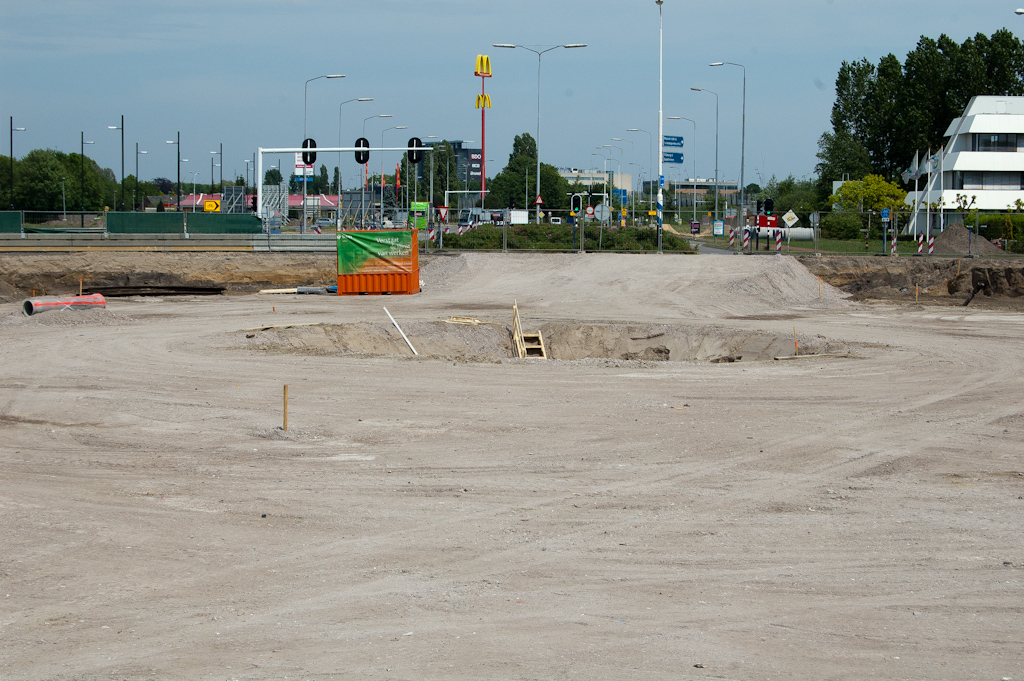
(234, 73)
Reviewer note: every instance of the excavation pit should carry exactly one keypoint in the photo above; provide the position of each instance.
(489, 342)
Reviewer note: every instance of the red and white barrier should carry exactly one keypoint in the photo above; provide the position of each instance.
(732, 238)
(778, 241)
(892, 246)
(36, 305)
(920, 244)
(931, 245)
(746, 239)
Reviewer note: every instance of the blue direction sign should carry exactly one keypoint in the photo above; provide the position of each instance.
(672, 156)
(885, 213)
(673, 141)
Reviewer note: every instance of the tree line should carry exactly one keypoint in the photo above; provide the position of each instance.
(883, 113)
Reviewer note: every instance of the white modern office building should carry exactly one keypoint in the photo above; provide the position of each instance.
(980, 166)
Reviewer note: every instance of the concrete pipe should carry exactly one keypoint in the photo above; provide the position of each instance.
(36, 305)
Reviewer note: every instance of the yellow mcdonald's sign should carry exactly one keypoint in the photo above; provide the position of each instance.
(483, 66)
(483, 101)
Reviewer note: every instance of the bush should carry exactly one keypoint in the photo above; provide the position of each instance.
(841, 226)
(559, 237)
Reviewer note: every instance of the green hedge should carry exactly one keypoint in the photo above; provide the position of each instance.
(559, 237)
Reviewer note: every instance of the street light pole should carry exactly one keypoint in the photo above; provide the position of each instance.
(357, 99)
(81, 162)
(366, 173)
(539, 54)
(661, 122)
(650, 153)
(305, 98)
(220, 157)
(13, 130)
(700, 89)
(121, 128)
(743, 139)
(136, 187)
(395, 127)
(178, 144)
(694, 154)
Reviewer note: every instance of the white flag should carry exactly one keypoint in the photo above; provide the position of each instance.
(914, 171)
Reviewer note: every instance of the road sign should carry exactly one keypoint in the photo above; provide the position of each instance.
(590, 211)
(539, 201)
(302, 169)
(885, 213)
(718, 227)
(672, 156)
(790, 218)
(211, 206)
(673, 141)
(442, 211)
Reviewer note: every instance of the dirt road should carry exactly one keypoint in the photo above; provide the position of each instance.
(439, 518)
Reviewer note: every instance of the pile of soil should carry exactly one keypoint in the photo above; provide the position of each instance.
(956, 239)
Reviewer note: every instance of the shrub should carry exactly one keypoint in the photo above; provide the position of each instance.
(841, 226)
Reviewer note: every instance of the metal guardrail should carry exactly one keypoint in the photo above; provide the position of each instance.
(251, 243)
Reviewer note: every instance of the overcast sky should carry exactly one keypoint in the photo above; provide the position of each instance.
(232, 72)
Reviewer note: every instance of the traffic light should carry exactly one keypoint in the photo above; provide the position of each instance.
(253, 203)
(577, 203)
(769, 206)
(309, 157)
(362, 155)
(417, 155)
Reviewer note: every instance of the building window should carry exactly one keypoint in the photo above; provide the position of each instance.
(989, 180)
(994, 142)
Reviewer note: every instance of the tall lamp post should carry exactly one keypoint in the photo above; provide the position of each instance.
(650, 153)
(700, 89)
(220, 157)
(743, 138)
(366, 171)
(194, 173)
(305, 99)
(121, 128)
(539, 53)
(13, 130)
(177, 143)
(135, 188)
(613, 146)
(396, 127)
(694, 154)
(357, 99)
(81, 161)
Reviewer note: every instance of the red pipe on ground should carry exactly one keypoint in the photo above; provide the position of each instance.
(36, 305)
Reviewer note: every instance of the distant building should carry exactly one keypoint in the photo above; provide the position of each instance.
(982, 162)
(589, 178)
(467, 160)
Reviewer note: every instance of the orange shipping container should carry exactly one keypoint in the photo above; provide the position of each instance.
(379, 261)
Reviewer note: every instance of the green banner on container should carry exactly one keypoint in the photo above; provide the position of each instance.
(376, 252)
(419, 214)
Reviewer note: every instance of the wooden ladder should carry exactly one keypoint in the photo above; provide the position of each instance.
(526, 344)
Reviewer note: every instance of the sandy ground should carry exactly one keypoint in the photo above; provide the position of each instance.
(601, 518)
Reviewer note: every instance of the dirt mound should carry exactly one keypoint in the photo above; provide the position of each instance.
(956, 240)
(563, 341)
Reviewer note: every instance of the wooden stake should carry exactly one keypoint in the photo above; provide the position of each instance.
(917, 289)
(79, 287)
(819, 288)
(286, 406)
(795, 344)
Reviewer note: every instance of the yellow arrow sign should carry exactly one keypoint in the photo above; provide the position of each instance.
(211, 206)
